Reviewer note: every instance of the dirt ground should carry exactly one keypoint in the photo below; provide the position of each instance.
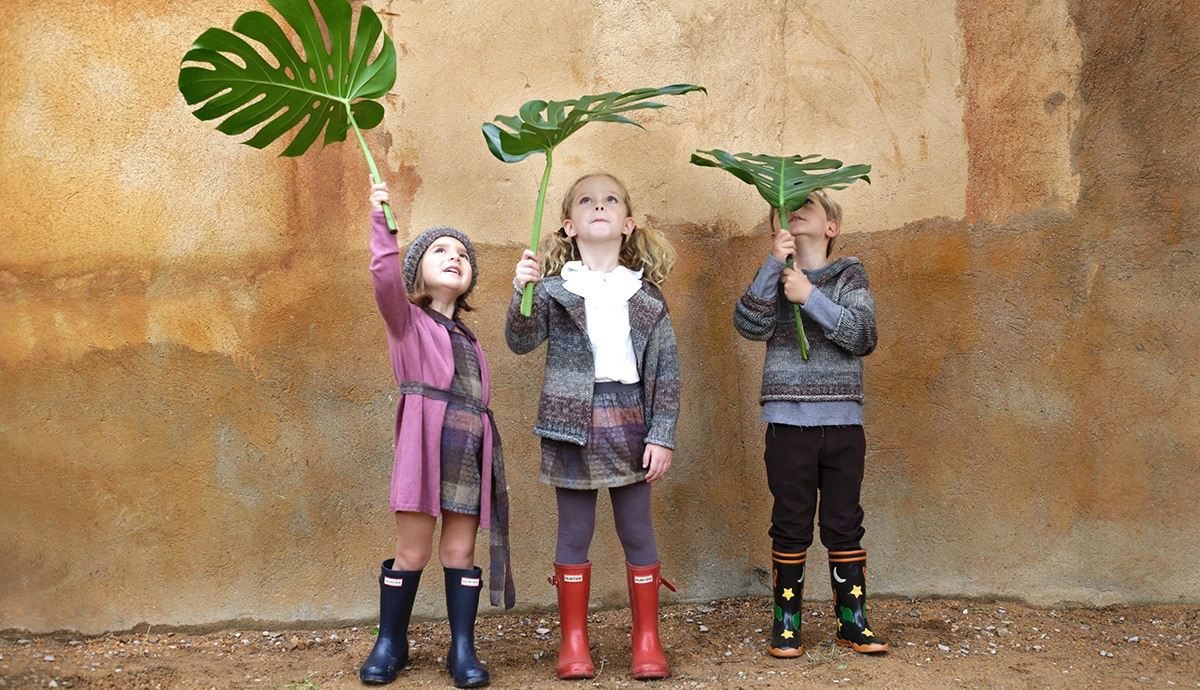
(721, 644)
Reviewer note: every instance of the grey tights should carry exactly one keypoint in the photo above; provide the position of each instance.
(631, 513)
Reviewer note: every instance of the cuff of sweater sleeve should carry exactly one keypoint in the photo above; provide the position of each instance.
(753, 301)
(659, 442)
(823, 310)
(766, 281)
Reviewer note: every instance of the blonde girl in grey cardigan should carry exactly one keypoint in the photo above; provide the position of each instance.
(610, 400)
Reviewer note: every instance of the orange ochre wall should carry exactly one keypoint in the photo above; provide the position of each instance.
(197, 406)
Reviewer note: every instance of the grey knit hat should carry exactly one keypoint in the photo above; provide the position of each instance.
(416, 250)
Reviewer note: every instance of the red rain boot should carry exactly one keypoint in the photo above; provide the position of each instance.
(573, 583)
(649, 662)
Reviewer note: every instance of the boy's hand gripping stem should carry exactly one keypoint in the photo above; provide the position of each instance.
(795, 307)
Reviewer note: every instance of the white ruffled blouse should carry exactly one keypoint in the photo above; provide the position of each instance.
(606, 304)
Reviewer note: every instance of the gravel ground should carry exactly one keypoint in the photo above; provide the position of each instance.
(721, 644)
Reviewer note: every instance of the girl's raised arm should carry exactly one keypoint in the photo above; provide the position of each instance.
(386, 273)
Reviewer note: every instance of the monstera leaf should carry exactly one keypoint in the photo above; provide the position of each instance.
(329, 88)
(542, 125)
(785, 183)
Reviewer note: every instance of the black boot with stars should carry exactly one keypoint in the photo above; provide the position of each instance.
(848, 570)
(787, 582)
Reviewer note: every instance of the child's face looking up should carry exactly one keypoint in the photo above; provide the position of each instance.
(598, 211)
(446, 267)
(809, 220)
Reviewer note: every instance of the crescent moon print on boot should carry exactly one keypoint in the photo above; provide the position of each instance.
(850, 602)
(787, 585)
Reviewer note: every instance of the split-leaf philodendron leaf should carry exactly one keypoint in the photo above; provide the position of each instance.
(785, 182)
(542, 125)
(329, 88)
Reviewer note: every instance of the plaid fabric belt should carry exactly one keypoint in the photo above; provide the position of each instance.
(424, 389)
(500, 583)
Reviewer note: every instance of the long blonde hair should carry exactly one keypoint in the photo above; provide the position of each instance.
(646, 249)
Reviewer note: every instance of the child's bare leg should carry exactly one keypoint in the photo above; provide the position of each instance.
(414, 540)
(457, 549)
(463, 584)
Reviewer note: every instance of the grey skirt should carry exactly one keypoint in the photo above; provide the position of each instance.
(616, 442)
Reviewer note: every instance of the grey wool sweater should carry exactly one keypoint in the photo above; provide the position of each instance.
(834, 368)
(558, 317)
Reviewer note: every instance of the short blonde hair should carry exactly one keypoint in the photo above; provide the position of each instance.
(833, 211)
(646, 249)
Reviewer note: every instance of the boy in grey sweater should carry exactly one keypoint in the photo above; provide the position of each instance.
(813, 410)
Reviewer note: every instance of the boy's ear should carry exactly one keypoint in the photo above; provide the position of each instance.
(833, 229)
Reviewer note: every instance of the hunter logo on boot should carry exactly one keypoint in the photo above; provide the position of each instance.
(643, 579)
(470, 582)
(572, 578)
(393, 581)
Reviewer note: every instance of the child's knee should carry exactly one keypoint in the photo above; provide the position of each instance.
(456, 553)
(412, 557)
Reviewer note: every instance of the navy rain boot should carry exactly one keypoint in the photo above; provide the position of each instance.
(462, 603)
(397, 592)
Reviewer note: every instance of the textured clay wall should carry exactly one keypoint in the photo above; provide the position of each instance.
(195, 425)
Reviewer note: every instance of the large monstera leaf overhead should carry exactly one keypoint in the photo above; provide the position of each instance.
(540, 126)
(328, 87)
(785, 182)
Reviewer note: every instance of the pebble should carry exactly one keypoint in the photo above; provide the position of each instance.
(944, 648)
(704, 628)
(542, 631)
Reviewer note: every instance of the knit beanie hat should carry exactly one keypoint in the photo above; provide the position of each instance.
(416, 251)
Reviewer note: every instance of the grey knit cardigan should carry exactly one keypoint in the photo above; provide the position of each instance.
(565, 410)
(834, 368)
